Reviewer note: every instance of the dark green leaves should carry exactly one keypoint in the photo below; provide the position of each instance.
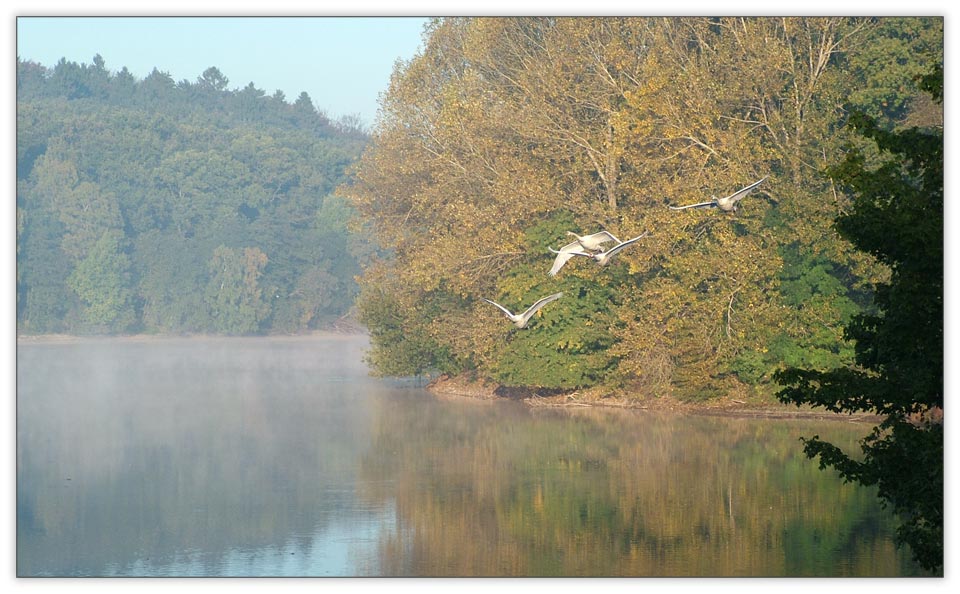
(896, 215)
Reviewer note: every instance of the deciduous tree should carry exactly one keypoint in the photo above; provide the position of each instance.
(897, 216)
(504, 127)
(234, 296)
(101, 281)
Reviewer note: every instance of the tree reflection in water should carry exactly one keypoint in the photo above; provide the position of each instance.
(497, 489)
(281, 457)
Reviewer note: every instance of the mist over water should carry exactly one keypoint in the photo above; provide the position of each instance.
(281, 456)
(178, 456)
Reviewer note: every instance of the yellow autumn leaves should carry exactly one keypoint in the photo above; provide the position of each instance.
(503, 123)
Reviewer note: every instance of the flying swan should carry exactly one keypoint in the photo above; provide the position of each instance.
(727, 203)
(603, 258)
(520, 320)
(594, 241)
(590, 243)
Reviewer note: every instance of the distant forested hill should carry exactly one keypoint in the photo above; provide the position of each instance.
(178, 207)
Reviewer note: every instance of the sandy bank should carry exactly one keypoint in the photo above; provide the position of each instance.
(467, 388)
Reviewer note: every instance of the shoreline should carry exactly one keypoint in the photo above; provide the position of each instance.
(458, 387)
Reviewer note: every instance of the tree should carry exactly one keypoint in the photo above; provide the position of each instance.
(156, 88)
(889, 69)
(71, 79)
(304, 106)
(250, 102)
(213, 80)
(101, 281)
(172, 277)
(87, 213)
(896, 216)
(43, 298)
(123, 86)
(205, 187)
(502, 125)
(234, 295)
(31, 79)
(176, 170)
(402, 345)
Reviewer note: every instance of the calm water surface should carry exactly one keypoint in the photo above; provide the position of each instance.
(281, 457)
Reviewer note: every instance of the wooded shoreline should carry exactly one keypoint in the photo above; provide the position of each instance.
(459, 387)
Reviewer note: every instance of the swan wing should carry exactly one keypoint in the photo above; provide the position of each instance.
(616, 249)
(536, 306)
(741, 193)
(558, 262)
(596, 239)
(624, 244)
(610, 235)
(709, 204)
(563, 256)
(502, 308)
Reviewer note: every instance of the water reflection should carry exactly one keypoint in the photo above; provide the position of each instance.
(507, 491)
(261, 457)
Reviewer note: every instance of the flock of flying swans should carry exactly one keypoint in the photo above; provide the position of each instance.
(591, 243)
(599, 256)
(591, 246)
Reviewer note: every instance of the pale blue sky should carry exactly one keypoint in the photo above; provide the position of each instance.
(343, 63)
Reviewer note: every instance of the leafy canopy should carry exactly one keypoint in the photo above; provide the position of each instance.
(897, 216)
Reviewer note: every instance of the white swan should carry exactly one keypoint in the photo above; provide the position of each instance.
(591, 243)
(727, 203)
(603, 258)
(520, 320)
(594, 241)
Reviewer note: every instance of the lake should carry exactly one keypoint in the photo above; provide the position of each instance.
(282, 457)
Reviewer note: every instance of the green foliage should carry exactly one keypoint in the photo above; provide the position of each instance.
(174, 170)
(820, 294)
(234, 296)
(100, 279)
(43, 298)
(172, 281)
(902, 50)
(400, 345)
(897, 216)
(566, 345)
(550, 233)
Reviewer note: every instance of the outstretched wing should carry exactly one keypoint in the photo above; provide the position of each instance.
(563, 256)
(536, 306)
(710, 204)
(502, 308)
(600, 237)
(624, 244)
(741, 193)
